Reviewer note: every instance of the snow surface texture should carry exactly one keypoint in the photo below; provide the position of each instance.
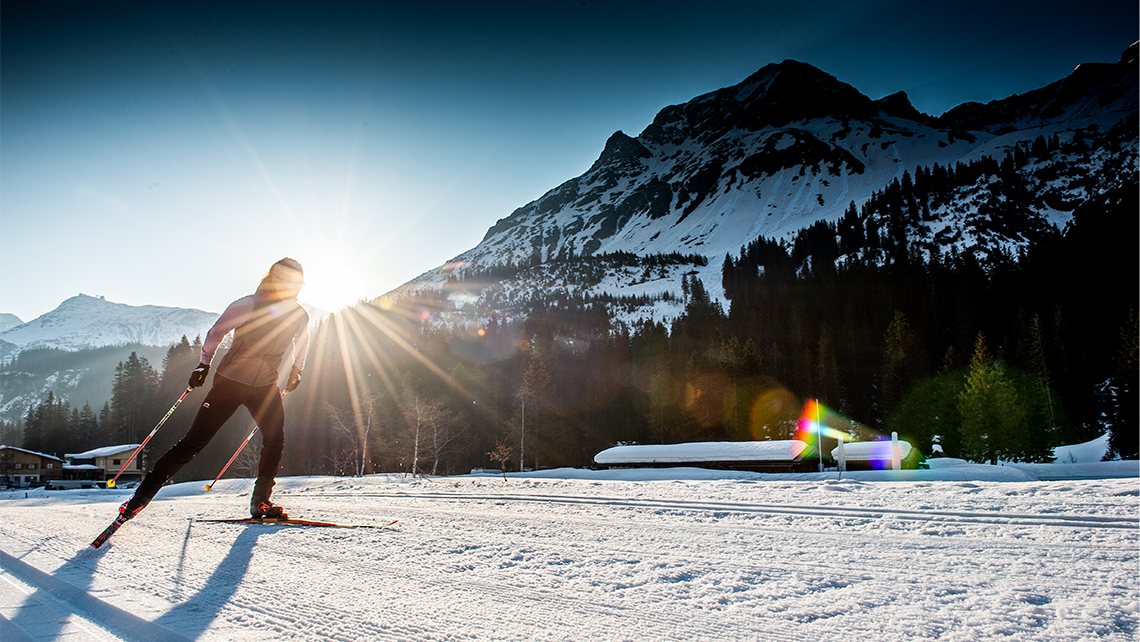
(961, 552)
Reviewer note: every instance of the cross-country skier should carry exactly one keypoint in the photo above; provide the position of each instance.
(265, 324)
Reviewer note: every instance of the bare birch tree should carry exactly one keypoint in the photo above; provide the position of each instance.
(247, 461)
(432, 426)
(355, 432)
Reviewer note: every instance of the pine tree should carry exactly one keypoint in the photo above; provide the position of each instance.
(993, 416)
(535, 389)
(828, 376)
(12, 432)
(900, 355)
(87, 429)
(180, 360)
(1124, 438)
(132, 399)
(47, 426)
(930, 412)
(32, 435)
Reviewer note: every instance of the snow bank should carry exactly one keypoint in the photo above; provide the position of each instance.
(963, 471)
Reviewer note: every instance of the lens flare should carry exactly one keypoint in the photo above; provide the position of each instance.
(816, 422)
(773, 414)
(710, 399)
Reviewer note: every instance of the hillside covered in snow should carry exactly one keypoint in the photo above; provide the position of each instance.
(788, 148)
(72, 351)
(85, 321)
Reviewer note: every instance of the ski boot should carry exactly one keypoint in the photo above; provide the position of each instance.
(130, 508)
(266, 510)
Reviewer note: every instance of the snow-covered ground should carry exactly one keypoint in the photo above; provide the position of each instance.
(959, 552)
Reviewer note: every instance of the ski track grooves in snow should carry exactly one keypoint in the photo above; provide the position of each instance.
(901, 544)
(843, 512)
(317, 617)
(545, 606)
(566, 560)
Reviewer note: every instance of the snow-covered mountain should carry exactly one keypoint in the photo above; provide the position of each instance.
(787, 147)
(8, 321)
(83, 324)
(91, 322)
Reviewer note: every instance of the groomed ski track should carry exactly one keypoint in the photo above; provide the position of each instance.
(483, 558)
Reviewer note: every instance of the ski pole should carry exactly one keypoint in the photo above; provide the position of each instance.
(111, 484)
(236, 453)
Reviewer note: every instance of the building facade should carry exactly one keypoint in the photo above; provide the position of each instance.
(104, 463)
(20, 468)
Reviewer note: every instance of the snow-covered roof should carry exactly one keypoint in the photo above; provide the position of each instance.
(105, 451)
(81, 467)
(871, 451)
(785, 450)
(1088, 452)
(31, 452)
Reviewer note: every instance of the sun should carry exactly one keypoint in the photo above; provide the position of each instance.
(332, 285)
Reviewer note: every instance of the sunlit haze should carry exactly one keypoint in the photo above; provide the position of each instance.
(167, 154)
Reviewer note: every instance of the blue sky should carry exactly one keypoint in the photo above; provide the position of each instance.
(168, 155)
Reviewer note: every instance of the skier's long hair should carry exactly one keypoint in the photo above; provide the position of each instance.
(283, 280)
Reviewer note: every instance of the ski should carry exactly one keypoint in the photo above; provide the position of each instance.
(293, 522)
(108, 532)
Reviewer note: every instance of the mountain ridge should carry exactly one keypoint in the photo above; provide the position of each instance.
(85, 321)
(786, 148)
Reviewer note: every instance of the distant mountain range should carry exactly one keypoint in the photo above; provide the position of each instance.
(96, 334)
(788, 147)
(100, 333)
(91, 322)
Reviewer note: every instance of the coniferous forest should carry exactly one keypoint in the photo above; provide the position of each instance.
(995, 353)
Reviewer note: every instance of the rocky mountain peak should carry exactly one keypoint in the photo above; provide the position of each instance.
(85, 321)
(788, 148)
(1090, 90)
(774, 96)
(621, 150)
(898, 104)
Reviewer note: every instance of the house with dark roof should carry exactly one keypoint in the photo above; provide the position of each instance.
(22, 468)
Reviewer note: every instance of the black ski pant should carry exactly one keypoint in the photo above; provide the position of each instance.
(221, 402)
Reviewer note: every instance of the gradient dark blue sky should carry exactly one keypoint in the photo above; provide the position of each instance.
(167, 155)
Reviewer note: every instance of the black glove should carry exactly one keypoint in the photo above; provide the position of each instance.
(198, 377)
(294, 380)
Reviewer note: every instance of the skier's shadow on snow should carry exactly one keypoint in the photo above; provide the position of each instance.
(47, 612)
(70, 585)
(194, 616)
